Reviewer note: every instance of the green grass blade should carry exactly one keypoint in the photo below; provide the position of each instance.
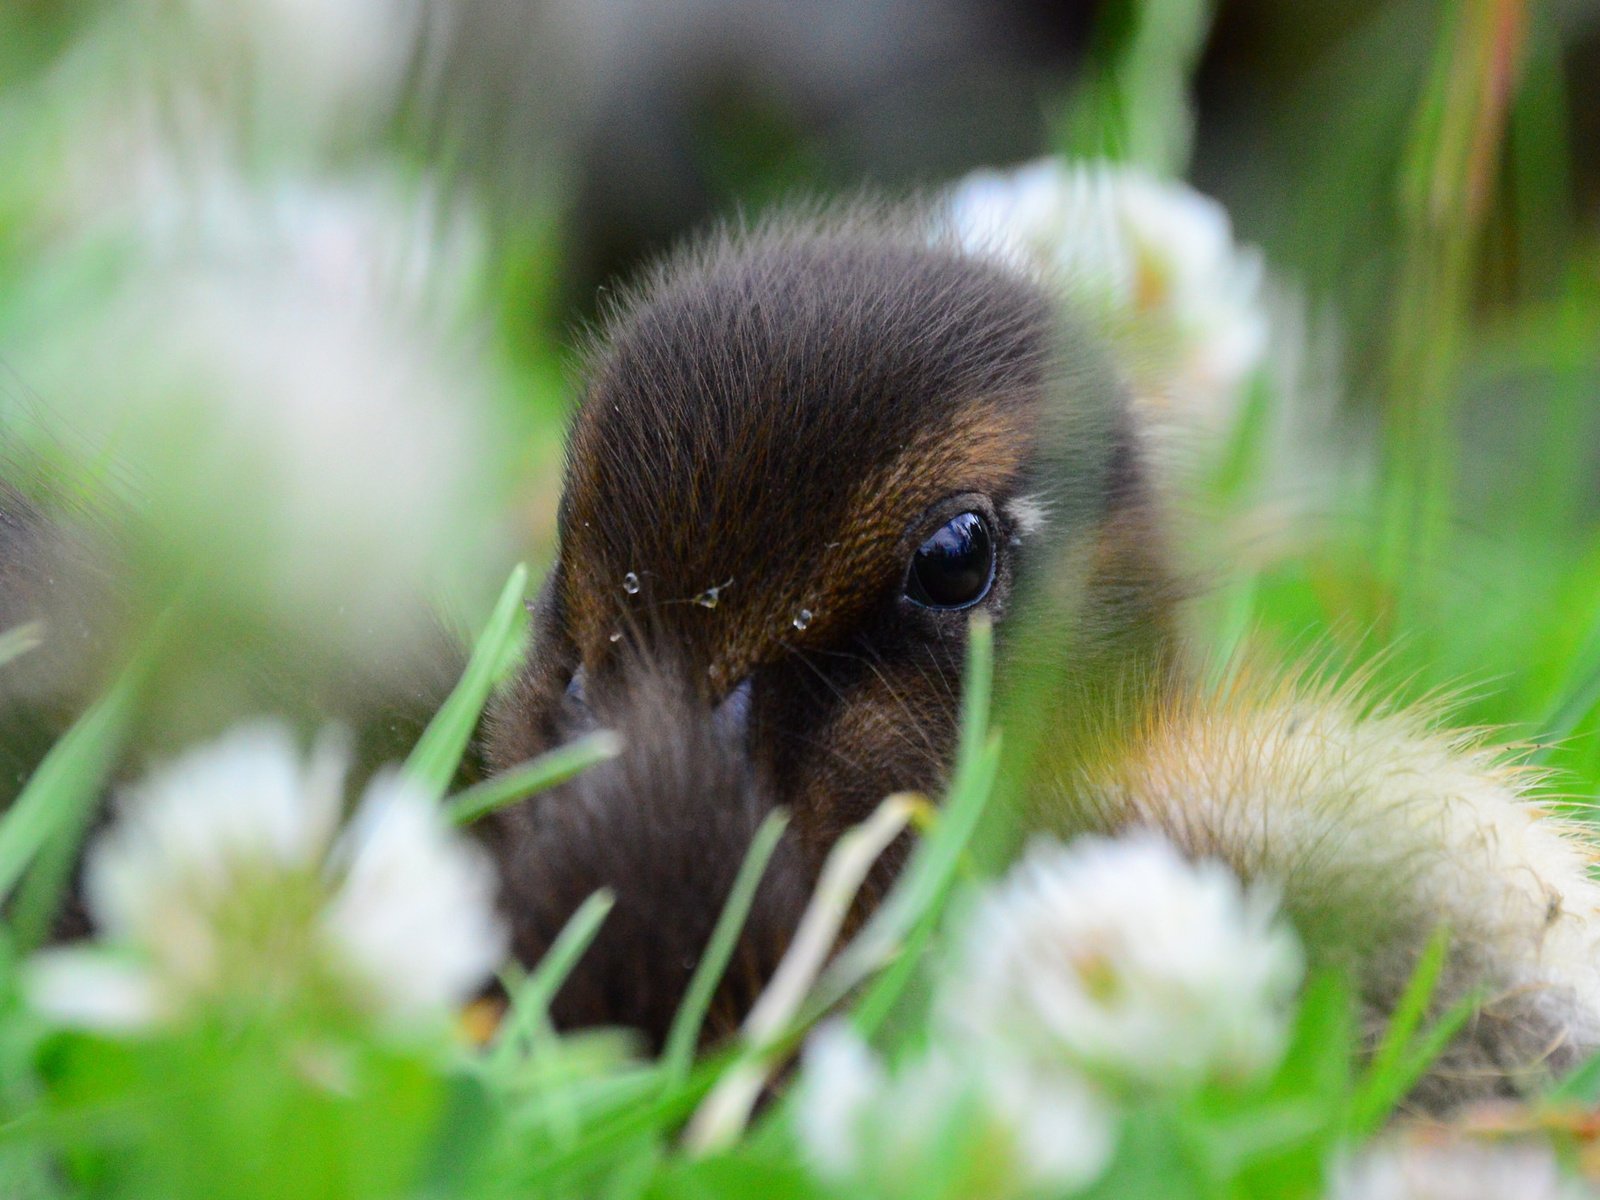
(977, 693)
(602, 1139)
(684, 1035)
(437, 754)
(530, 999)
(18, 640)
(1581, 1086)
(917, 898)
(1135, 106)
(1454, 150)
(1402, 1057)
(1421, 1054)
(1576, 701)
(886, 990)
(532, 777)
(57, 800)
(792, 988)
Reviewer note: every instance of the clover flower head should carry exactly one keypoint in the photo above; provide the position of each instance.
(225, 879)
(1119, 958)
(1151, 264)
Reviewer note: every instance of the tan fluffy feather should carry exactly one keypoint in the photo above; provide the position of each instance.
(1379, 829)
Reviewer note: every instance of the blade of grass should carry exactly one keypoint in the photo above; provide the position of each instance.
(1136, 106)
(977, 692)
(684, 1035)
(724, 1114)
(48, 877)
(530, 998)
(1421, 1054)
(1576, 701)
(57, 800)
(1541, 169)
(1581, 1086)
(885, 992)
(437, 754)
(907, 917)
(605, 1136)
(532, 777)
(1447, 187)
(18, 640)
(1402, 1057)
(631, 1176)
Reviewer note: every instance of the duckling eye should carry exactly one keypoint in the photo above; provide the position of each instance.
(955, 567)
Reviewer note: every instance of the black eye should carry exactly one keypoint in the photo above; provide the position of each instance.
(953, 568)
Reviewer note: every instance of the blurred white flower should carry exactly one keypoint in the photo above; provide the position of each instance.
(1428, 1165)
(222, 876)
(104, 140)
(314, 66)
(414, 902)
(368, 239)
(152, 106)
(841, 1081)
(155, 110)
(864, 1126)
(1151, 263)
(279, 376)
(93, 991)
(245, 804)
(1120, 958)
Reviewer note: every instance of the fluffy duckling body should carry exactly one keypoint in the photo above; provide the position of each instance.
(805, 455)
(1380, 829)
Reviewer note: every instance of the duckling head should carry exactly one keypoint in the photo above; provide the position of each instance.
(805, 456)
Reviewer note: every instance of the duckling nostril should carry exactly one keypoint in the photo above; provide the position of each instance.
(732, 717)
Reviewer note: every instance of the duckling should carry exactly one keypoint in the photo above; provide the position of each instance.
(806, 454)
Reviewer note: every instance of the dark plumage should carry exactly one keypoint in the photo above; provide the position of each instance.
(773, 423)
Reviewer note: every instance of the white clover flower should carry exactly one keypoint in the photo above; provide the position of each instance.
(222, 877)
(102, 143)
(279, 375)
(152, 107)
(1151, 263)
(414, 902)
(167, 187)
(244, 804)
(128, 126)
(1120, 958)
(840, 1082)
(1432, 1166)
(859, 1124)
